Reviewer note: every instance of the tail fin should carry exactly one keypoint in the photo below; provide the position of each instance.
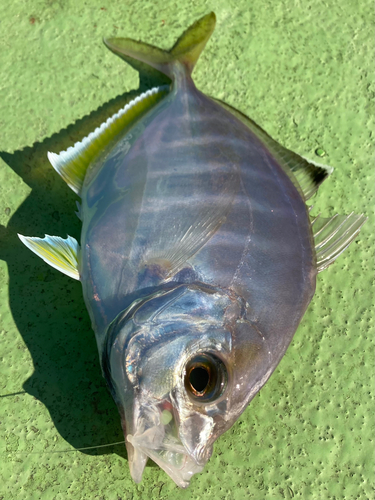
(186, 50)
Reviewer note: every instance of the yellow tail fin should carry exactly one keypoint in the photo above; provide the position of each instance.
(186, 50)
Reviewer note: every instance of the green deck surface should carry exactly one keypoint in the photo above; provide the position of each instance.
(304, 71)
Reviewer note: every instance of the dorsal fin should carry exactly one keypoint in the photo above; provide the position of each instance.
(61, 254)
(332, 235)
(309, 175)
(72, 164)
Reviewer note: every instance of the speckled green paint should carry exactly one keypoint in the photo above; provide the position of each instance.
(303, 70)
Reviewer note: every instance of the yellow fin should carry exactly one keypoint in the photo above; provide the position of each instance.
(186, 50)
(57, 252)
(72, 164)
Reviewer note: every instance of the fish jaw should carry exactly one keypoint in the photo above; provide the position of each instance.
(155, 434)
(177, 464)
(137, 462)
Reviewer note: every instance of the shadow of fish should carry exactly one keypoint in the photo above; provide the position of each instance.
(198, 256)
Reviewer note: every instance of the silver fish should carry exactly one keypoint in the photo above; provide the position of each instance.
(198, 256)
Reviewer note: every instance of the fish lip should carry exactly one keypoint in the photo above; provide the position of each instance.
(137, 462)
(180, 473)
(150, 437)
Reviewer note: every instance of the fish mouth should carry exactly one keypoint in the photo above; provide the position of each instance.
(172, 458)
(161, 441)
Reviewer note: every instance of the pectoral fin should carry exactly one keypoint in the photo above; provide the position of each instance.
(186, 239)
(61, 254)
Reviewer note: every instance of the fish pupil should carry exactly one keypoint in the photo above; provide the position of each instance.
(205, 377)
(199, 378)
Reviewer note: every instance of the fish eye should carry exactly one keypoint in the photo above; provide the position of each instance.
(205, 377)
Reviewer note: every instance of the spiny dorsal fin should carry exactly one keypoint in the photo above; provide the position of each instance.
(61, 254)
(72, 164)
(186, 50)
(332, 235)
(309, 175)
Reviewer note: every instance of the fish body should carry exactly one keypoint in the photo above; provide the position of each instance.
(258, 244)
(198, 257)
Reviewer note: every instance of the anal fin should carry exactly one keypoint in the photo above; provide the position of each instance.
(61, 254)
(333, 235)
(72, 164)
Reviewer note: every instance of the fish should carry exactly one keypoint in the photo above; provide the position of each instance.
(198, 255)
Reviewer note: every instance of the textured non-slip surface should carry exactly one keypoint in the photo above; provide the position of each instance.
(302, 70)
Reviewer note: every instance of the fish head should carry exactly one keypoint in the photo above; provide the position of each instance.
(172, 367)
